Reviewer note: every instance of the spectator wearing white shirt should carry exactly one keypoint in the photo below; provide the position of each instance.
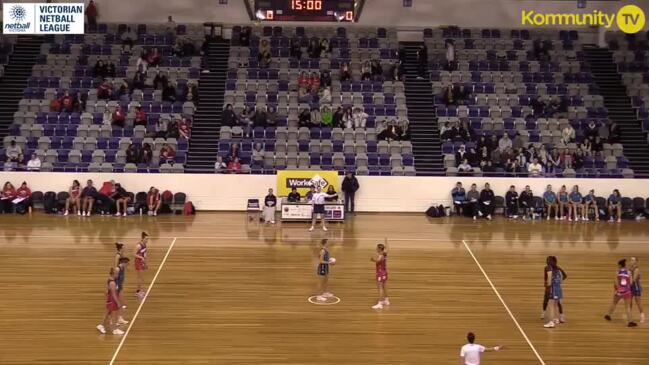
(471, 352)
(568, 134)
(465, 166)
(318, 201)
(504, 143)
(34, 164)
(360, 118)
(535, 168)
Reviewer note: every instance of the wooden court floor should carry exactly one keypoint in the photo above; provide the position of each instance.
(234, 292)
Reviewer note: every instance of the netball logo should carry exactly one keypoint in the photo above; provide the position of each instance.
(18, 13)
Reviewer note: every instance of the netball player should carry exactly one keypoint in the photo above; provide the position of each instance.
(323, 272)
(563, 202)
(546, 295)
(141, 263)
(553, 281)
(575, 205)
(381, 275)
(470, 353)
(622, 290)
(74, 200)
(636, 288)
(318, 201)
(112, 305)
(121, 275)
(119, 246)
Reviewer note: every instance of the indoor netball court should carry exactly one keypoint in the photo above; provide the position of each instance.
(226, 291)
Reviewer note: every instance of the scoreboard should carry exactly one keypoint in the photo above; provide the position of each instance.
(306, 10)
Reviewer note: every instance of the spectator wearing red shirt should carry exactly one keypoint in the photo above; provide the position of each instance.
(103, 199)
(140, 117)
(67, 102)
(185, 128)
(167, 154)
(7, 195)
(119, 117)
(304, 81)
(24, 205)
(105, 90)
(234, 166)
(154, 57)
(153, 201)
(314, 81)
(92, 14)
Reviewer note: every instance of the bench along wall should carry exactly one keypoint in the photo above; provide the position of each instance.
(377, 193)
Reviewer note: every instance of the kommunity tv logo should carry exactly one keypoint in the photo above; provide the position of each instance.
(630, 19)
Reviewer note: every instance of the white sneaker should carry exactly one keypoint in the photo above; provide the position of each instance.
(515, 216)
(87, 214)
(324, 228)
(327, 295)
(320, 298)
(155, 214)
(124, 307)
(569, 219)
(66, 213)
(556, 321)
(272, 222)
(474, 217)
(549, 325)
(585, 219)
(117, 214)
(118, 332)
(149, 213)
(489, 217)
(556, 218)
(124, 214)
(386, 301)
(377, 306)
(311, 229)
(79, 213)
(101, 329)
(548, 218)
(121, 321)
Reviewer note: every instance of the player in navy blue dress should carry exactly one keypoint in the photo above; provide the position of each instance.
(324, 260)
(636, 288)
(554, 277)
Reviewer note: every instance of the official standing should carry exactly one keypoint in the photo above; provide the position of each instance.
(349, 187)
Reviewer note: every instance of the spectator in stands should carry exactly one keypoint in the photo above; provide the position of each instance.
(325, 48)
(138, 83)
(574, 204)
(542, 157)
(185, 128)
(527, 203)
(448, 96)
(567, 159)
(513, 167)
(592, 130)
(551, 203)
(327, 116)
(296, 50)
(270, 206)
(91, 15)
(314, 49)
(316, 117)
(100, 70)
(74, 198)
(348, 118)
(458, 194)
(303, 95)
(504, 143)
(511, 202)
(146, 154)
(167, 154)
(191, 92)
(228, 117)
(234, 166)
(245, 120)
(160, 80)
(67, 102)
(518, 141)
(140, 117)
(325, 95)
(142, 63)
(614, 133)
(131, 154)
(309, 194)
(119, 117)
(244, 36)
(103, 201)
(14, 153)
(398, 71)
(597, 147)
(538, 107)
(124, 90)
(105, 90)
(484, 157)
(111, 70)
(80, 101)
(465, 167)
(590, 201)
(337, 119)
(535, 169)
(554, 161)
(314, 82)
(404, 126)
(294, 196)
(332, 194)
(461, 155)
(88, 196)
(233, 152)
(304, 119)
(586, 147)
(325, 78)
(154, 57)
(360, 118)
(487, 201)
(7, 196)
(121, 198)
(345, 73)
(390, 133)
(568, 134)
(260, 118)
(264, 59)
(258, 153)
(450, 55)
(107, 117)
(172, 129)
(615, 206)
(465, 131)
(578, 159)
(220, 167)
(422, 61)
(264, 46)
(34, 164)
(521, 156)
(171, 27)
(128, 39)
(376, 69)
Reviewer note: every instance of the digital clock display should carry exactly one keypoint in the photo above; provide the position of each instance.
(305, 10)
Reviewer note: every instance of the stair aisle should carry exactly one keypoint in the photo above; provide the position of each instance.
(619, 107)
(203, 145)
(17, 71)
(424, 131)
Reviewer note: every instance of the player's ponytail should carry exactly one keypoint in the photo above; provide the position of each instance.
(119, 246)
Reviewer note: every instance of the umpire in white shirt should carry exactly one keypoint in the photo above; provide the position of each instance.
(318, 201)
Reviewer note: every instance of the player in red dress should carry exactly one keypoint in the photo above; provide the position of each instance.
(112, 305)
(381, 275)
(141, 263)
(622, 290)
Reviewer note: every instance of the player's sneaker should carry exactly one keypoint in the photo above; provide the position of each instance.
(556, 218)
(327, 295)
(386, 301)
(101, 329)
(155, 214)
(607, 317)
(118, 332)
(569, 219)
(556, 321)
(66, 213)
(324, 228)
(377, 306)
(547, 218)
(124, 214)
(584, 218)
(311, 229)
(549, 325)
(562, 319)
(320, 298)
(489, 217)
(632, 324)
(123, 307)
(79, 213)
(121, 321)
(619, 220)
(117, 214)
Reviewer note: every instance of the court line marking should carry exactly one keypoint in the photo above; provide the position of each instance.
(310, 300)
(139, 308)
(520, 329)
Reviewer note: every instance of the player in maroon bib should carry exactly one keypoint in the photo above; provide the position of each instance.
(112, 306)
(141, 263)
(622, 290)
(381, 263)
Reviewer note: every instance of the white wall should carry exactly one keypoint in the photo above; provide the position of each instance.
(377, 194)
